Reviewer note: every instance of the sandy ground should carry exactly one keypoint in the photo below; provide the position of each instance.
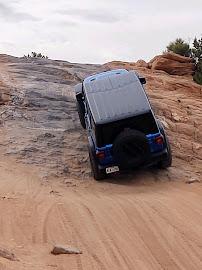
(147, 220)
(119, 225)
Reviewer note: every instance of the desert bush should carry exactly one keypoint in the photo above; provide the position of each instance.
(36, 55)
(197, 49)
(179, 46)
(197, 55)
(198, 74)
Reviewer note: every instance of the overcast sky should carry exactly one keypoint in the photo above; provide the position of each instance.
(96, 31)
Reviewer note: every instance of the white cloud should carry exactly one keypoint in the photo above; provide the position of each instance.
(9, 14)
(89, 31)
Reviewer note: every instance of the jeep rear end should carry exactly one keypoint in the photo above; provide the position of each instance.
(123, 132)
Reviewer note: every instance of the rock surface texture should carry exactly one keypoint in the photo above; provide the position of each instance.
(148, 219)
(4, 253)
(170, 63)
(173, 64)
(59, 249)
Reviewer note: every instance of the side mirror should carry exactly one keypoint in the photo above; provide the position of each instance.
(78, 88)
(79, 91)
(142, 80)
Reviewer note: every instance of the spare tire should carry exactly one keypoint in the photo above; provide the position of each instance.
(131, 148)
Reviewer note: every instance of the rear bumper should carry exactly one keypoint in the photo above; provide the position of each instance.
(154, 159)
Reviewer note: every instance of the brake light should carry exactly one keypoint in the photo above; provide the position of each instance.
(100, 155)
(159, 140)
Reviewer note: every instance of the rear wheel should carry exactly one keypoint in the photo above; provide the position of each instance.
(98, 174)
(167, 162)
(81, 112)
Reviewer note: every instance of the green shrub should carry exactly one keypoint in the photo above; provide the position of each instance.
(36, 55)
(179, 46)
(197, 50)
(197, 55)
(198, 74)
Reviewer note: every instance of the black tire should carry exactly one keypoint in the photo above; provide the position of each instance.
(167, 162)
(81, 113)
(98, 174)
(131, 149)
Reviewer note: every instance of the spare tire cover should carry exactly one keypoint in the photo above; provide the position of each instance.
(131, 148)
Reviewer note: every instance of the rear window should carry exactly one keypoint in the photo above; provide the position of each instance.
(106, 133)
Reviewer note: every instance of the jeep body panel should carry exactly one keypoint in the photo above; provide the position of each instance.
(105, 74)
(113, 96)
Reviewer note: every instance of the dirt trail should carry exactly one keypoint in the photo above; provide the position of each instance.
(147, 220)
(117, 226)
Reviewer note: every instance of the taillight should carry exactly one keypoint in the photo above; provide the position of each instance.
(100, 155)
(159, 140)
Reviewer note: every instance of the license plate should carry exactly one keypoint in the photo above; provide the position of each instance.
(112, 169)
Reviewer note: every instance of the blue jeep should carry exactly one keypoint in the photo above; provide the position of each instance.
(123, 132)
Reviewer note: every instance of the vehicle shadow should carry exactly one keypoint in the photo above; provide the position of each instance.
(141, 176)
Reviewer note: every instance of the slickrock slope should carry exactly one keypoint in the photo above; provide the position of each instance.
(144, 220)
(173, 64)
(41, 121)
(169, 62)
